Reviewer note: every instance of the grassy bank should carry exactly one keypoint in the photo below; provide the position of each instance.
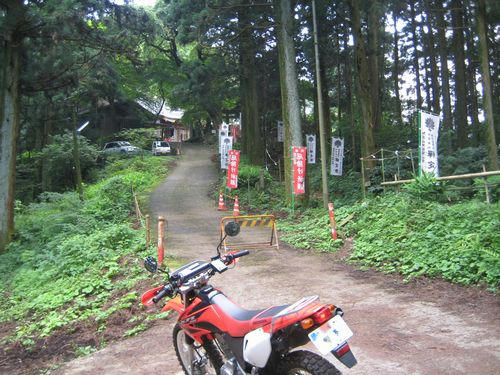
(399, 233)
(72, 261)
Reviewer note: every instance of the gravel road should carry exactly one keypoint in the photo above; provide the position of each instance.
(423, 327)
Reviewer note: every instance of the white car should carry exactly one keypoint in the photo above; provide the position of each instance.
(160, 148)
(121, 147)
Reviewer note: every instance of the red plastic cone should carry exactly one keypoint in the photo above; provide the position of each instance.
(236, 209)
(222, 206)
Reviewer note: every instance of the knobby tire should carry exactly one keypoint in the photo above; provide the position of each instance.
(306, 361)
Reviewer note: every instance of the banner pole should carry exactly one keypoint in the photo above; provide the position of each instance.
(419, 143)
(292, 180)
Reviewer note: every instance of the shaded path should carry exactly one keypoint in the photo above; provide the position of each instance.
(420, 328)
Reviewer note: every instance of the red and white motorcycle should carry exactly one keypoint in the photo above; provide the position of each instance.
(215, 336)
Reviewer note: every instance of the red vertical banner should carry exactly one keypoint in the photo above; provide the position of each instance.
(232, 169)
(299, 169)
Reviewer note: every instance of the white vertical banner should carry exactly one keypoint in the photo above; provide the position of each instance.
(226, 145)
(311, 148)
(222, 134)
(429, 131)
(280, 131)
(337, 156)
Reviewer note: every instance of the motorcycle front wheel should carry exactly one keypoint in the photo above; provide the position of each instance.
(205, 359)
(302, 362)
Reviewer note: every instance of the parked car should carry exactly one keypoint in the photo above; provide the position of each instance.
(160, 148)
(121, 147)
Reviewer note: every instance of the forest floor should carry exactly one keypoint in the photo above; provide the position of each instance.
(421, 327)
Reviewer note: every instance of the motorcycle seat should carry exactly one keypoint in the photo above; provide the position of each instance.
(236, 312)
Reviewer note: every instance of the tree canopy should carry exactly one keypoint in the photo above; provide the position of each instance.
(378, 62)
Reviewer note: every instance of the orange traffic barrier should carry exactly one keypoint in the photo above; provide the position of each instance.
(236, 209)
(222, 205)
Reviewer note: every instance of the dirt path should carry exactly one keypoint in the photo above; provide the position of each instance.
(418, 328)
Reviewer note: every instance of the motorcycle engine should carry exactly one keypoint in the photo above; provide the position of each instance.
(231, 367)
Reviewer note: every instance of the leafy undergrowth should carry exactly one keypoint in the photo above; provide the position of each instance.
(311, 230)
(75, 261)
(401, 233)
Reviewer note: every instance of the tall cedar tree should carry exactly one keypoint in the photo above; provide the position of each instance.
(290, 106)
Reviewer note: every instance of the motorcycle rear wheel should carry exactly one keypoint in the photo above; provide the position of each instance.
(302, 362)
(206, 351)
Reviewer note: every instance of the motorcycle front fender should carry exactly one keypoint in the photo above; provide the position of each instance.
(174, 304)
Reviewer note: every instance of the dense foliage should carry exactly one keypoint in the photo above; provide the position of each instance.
(52, 168)
(70, 257)
(415, 237)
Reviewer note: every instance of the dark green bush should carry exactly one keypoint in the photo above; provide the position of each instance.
(57, 157)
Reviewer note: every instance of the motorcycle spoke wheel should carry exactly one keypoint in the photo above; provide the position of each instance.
(303, 362)
(207, 354)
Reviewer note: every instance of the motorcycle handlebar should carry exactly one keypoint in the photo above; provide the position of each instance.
(230, 257)
(167, 290)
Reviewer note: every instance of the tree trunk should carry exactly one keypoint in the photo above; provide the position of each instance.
(374, 61)
(46, 167)
(445, 74)
(485, 74)
(460, 88)
(321, 13)
(416, 66)
(250, 104)
(436, 107)
(363, 84)
(76, 157)
(350, 100)
(290, 106)
(10, 58)
(472, 68)
(395, 71)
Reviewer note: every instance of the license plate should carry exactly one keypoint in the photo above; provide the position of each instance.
(331, 335)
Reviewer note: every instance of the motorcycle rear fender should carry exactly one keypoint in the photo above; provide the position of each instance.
(281, 322)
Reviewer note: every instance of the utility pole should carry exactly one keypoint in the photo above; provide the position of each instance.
(321, 113)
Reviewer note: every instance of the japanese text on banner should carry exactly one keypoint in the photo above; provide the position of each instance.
(232, 170)
(226, 145)
(311, 148)
(429, 131)
(299, 169)
(280, 131)
(337, 156)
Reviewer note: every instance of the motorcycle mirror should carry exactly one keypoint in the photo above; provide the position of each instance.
(232, 228)
(151, 264)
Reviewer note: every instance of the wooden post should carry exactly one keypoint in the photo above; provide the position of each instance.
(397, 164)
(398, 189)
(333, 224)
(486, 187)
(148, 231)
(383, 167)
(363, 177)
(161, 250)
